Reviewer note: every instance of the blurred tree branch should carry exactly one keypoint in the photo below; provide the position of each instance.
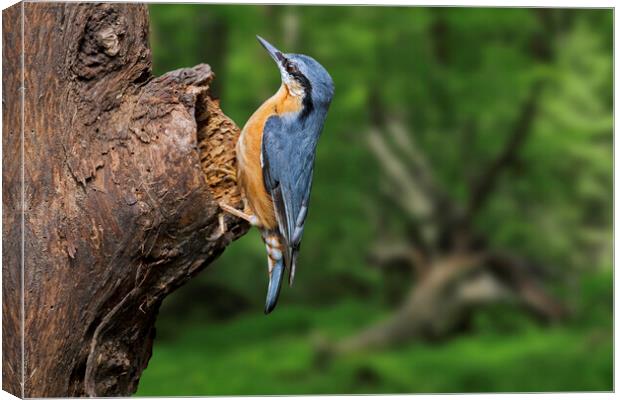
(483, 188)
(455, 270)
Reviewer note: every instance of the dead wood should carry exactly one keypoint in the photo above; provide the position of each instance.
(441, 302)
(121, 176)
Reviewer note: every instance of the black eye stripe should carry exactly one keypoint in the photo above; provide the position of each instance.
(307, 100)
(280, 57)
(293, 71)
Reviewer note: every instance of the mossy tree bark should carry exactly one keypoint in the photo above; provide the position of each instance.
(118, 194)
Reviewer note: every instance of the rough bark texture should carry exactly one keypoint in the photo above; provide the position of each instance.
(122, 172)
(11, 202)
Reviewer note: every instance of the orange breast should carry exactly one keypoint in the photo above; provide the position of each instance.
(249, 173)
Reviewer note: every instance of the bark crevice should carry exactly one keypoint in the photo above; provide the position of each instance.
(123, 173)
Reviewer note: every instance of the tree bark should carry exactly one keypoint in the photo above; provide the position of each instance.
(121, 177)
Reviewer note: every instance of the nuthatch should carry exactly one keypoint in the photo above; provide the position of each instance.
(275, 159)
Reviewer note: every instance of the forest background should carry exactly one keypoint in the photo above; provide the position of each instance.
(492, 125)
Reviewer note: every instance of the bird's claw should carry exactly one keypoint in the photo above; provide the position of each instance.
(252, 219)
(221, 230)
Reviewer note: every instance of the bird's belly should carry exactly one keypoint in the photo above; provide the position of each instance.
(250, 173)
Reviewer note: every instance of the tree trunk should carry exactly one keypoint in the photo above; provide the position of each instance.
(117, 194)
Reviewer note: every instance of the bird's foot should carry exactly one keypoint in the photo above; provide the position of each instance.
(221, 230)
(252, 219)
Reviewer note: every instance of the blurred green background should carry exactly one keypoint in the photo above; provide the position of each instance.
(447, 94)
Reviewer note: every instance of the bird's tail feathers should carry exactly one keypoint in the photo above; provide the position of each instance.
(275, 284)
(293, 267)
(277, 260)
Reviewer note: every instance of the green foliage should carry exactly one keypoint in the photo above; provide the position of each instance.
(255, 355)
(458, 78)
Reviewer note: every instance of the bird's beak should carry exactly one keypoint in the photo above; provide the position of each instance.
(276, 54)
(275, 283)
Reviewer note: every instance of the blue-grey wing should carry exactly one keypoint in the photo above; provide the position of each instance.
(287, 161)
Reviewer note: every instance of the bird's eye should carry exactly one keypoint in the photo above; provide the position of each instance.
(290, 67)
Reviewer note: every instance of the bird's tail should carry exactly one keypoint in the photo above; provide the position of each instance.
(291, 273)
(276, 264)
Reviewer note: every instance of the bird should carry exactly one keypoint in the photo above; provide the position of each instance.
(275, 161)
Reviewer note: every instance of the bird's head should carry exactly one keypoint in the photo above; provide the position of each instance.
(303, 77)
